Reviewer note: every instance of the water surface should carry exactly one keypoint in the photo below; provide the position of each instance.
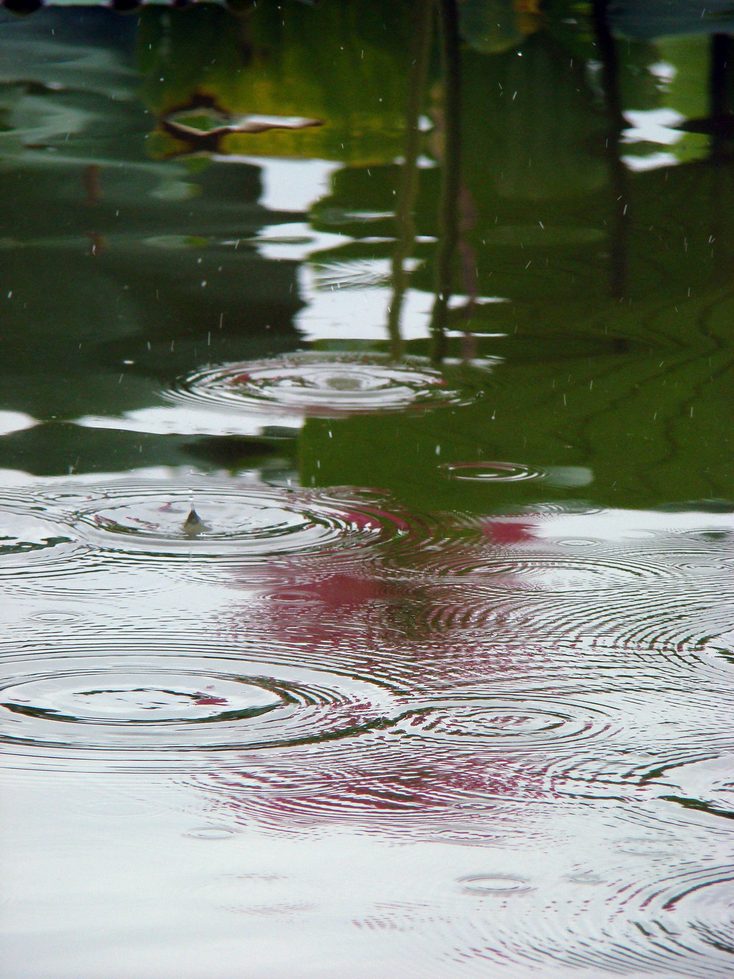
(366, 516)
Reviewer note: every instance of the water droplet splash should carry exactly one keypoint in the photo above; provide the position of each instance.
(244, 524)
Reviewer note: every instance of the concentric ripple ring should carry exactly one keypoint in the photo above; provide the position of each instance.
(167, 712)
(33, 540)
(518, 723)
(490, 472)
(219, 520)
(320, 384)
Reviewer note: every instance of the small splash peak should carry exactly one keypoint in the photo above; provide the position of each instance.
(153, 520)
(193, 524)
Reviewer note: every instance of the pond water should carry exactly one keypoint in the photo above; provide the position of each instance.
(366, 508)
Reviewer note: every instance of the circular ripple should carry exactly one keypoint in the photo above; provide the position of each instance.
(90, 700)
(490, 472)
(32, 542)
(547, 574)
(623, 925)
(53, 617)
(517, 723)
(678, 926)
(245, 524)
(169, 713)
(444, 769)
(377, 785)
(320, 384)
(438, 772)
(668, 615)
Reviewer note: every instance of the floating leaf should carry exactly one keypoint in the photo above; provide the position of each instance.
(206, 127)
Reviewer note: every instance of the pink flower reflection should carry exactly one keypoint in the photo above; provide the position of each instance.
(385, 616)
(509, 531)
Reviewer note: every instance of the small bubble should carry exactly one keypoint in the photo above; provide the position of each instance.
(494, 884)
(210, 833)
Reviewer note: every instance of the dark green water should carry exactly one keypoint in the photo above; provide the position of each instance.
(366, 498)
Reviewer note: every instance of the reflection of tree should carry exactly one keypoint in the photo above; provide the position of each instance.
(547, 216)
(662, 18)
(450, 115)
(617, 173)
(457, 214)
(720, 95)
(106, 251)
(404, 219)
(536, 195)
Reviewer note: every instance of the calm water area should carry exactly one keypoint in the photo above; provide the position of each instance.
(366, 490)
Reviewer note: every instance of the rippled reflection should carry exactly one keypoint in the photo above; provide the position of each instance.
(335, 664)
